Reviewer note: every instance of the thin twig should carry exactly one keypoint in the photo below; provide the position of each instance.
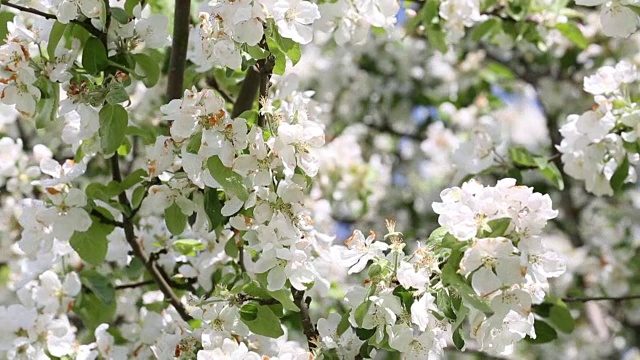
(135, 285)
(266, 69)
(158, 274)
(85, 24)
(179, 44)
(211, 81)
(309, 330)
(602, 298)
(105, 220)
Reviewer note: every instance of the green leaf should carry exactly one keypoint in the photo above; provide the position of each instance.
(344, 323)
(431, 11)
(213, 207)
(117, 95)
(284, 297)
(281, 61)
(560, 317)
(458, 338)
(5, 18)
(486, 29)
(98, 284)
(461, 314)
(620, 175)
(135, 269)
(188, 247)
(148, 68)
(226, 177)
(47, 107)
(133, 179)
(113, 127)
(174, 218)
(436, 38)
(138, 195)
(249, 312)
(496, 227)
(92, 311)
(54, 38)
(437, 235)
(129, 5)
(450, 277)
(256, 52)
(230, 248)
(571, 31)
(94, 56)
(544, 333)
(522, 157)
(265, 323)
(120, 15)
(361, 311)
(92, 244)
(551, 172)
(443, 301)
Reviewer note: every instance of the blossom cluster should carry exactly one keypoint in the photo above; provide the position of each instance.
(601, 142)
(489, 243)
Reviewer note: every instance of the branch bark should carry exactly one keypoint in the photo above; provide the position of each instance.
(307, 326)
(85, 24)
(159, 275)
(601, 298)
(179, 44)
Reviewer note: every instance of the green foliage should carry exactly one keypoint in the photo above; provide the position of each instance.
(57, 31)
(93, 311)
(571, 31)
(544, 333)
(620, 175)
(523, 158)
(94, 56)
(451, 277)
(188, 247)
(261, 320)
(174, 218)
(146, 69)
(113, 125)
(98, 284)
(229, 179)
(213, 208)
(92, 244)
(495, 228)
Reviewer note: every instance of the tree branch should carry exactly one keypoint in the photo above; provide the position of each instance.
(601, 298)
(85, 24)
(309, 330)
(105, 220)
(135, 285)
(248, 92)
(266, 69)
(158, 274)
(179, 44)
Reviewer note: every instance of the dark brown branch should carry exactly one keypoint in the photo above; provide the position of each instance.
(601, 298)
(135, 285)
(85, 24)
(158, 274)
(307, 326)
(211, 81)
(248, 92)
(179, 44)
(266, 69)
(105, 220)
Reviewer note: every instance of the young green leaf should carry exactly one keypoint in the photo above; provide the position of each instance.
(229, 179)
(174, 218)
(113, 127)
(265, 323)
(94, 56)
(92, 244)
